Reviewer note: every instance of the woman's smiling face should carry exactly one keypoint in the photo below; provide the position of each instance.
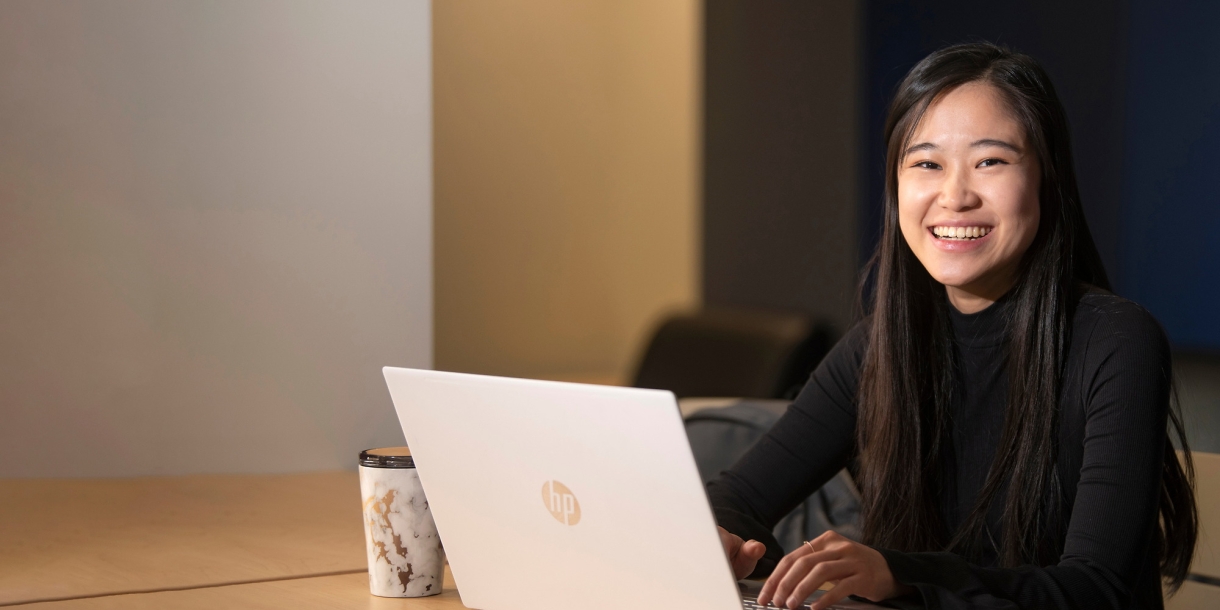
(968, 194)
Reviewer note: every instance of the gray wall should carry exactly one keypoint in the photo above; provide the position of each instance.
(215, 227)
(780, 178)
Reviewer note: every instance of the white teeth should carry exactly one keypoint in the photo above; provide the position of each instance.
(960, 232)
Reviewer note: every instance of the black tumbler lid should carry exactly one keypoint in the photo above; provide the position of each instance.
(387, 457)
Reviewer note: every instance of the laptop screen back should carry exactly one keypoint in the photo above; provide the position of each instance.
(556, 495)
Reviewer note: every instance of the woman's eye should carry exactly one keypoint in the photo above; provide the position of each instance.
(926, 165)
(991, 162)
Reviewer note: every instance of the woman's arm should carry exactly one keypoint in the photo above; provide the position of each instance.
(806, 447)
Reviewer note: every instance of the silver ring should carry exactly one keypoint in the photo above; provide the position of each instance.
(810, 547)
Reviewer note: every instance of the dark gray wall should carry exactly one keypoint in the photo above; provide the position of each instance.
(1199, 394)
(780, 167)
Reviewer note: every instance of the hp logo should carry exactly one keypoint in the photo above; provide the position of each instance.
(561, 502)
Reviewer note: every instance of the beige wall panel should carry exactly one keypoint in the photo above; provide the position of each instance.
(566, 150)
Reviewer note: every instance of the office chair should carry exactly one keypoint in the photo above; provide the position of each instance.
(733, 352)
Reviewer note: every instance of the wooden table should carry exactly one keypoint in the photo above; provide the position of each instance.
(271, 541)
(342, 592)
(275, 541)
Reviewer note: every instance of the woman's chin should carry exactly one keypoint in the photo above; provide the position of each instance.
(956, 279)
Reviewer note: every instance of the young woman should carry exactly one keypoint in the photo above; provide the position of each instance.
(1004, 415)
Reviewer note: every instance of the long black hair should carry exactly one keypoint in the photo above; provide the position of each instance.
(907, 379)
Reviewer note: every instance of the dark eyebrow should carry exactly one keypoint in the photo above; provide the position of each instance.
(921, 146)
(999, 143)
(976, 144)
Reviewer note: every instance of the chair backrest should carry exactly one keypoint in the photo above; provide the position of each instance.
(731, 352)
(1202, 591)
(1207, 497)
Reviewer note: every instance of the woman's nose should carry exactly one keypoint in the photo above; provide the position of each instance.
(956, 194)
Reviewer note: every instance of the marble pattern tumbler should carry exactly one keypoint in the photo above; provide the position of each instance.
(404, 550)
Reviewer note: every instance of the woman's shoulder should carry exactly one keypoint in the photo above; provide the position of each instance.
(852, 345)
(842, 362)
(1102, 307)
(1106, 322)
(1122, 359)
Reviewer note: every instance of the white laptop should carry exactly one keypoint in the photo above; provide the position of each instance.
(553, 495)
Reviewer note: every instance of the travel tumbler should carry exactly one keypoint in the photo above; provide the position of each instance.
(404, 550)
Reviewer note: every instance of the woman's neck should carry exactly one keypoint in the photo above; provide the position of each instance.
(967, 302)
(974, 297)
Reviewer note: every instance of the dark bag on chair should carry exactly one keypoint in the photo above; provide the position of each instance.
(720, 436)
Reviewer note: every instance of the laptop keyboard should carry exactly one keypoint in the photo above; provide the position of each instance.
(750, 604)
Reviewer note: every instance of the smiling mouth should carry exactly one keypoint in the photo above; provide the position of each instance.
(961, 233)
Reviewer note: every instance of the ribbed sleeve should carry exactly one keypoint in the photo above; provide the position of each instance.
(808, 445)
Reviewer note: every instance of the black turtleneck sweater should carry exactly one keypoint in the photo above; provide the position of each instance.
(1112, 434)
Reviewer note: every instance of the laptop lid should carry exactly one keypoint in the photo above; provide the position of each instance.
(553, 495)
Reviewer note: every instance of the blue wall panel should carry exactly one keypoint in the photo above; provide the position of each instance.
(1170, 237)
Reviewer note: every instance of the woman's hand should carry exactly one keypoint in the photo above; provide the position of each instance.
(743, 555)
(853, 568)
